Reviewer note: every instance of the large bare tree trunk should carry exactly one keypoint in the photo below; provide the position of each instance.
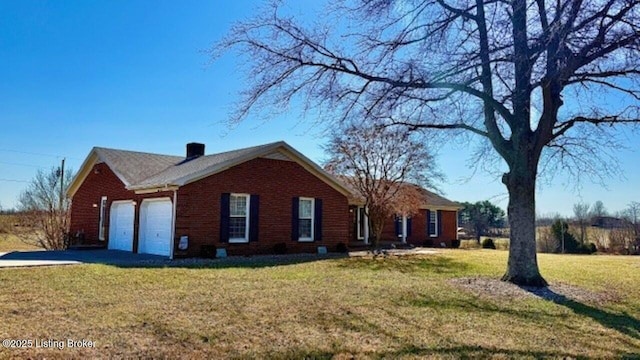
(522, 267)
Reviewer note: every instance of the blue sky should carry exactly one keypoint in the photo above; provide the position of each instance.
(134, 75)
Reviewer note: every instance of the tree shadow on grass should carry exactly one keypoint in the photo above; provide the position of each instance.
(125, 259)
(407, 264)
(623, 322)
(456, 352)
(475, 352)
(477, 305)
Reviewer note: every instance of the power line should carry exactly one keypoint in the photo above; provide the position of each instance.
(14, 180)
(30, 153)
(38, 154)
(22, 164)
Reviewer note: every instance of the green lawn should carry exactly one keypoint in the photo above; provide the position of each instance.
(361, 307)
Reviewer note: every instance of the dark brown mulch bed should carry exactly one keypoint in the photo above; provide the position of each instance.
(556, 292)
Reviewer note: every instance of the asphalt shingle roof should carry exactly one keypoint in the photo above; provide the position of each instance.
(147, 170)
(429, 198)
(186, 169)
(133, 167)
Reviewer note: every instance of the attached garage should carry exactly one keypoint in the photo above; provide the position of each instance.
(156, 217)
(121, 225)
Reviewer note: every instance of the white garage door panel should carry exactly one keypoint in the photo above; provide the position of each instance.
(155, 227)
(121, 226)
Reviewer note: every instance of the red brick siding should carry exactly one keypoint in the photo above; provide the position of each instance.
(418, 229)
(100, 182)
(276, 182)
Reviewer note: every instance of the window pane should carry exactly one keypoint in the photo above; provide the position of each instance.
(237, 227)
(305, 209)
(360, 222)
(304, 230)
(238, 205)
(432, 223)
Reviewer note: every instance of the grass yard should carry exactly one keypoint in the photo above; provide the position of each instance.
(342, 308)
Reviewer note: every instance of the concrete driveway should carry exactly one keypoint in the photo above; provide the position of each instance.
(72, 257)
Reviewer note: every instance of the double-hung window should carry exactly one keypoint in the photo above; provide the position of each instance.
(102, 227)
(239, 218)
(433, 223)
(305, 219)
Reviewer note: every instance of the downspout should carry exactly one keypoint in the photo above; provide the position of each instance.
(173, 224)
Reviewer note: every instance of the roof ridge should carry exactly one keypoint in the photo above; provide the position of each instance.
(135, 151)
(179, 156)
(201, 161)
(245, 148)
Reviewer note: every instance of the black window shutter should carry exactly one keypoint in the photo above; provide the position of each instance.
(295, 204)
(317, 220)
(408, 226)
(398, 225)
(428, 222)
(439, 223)
(224, 217)
(254, 208)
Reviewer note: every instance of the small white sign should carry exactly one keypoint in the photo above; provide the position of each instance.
(322, 250)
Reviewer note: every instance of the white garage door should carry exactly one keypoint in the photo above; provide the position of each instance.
(155, 227)
(121, 226)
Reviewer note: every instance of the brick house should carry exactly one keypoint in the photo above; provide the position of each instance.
(434, 225)
(246, 201)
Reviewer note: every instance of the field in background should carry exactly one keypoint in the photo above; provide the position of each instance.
(363, 307)
(9, 242)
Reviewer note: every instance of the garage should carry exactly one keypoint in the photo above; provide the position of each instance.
(155, 226)
(121, 225)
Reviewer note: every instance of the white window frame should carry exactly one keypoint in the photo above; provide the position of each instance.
(435, 227)
(244, 239)
(103, 208)
(360, 210)
(313, 215)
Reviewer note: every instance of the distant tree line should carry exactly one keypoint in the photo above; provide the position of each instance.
(591, 228)
(479, 217)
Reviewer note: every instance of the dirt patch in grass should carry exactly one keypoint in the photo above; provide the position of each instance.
(393, 252)
(556, 292)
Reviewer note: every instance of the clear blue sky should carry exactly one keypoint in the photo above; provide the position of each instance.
(133, 75)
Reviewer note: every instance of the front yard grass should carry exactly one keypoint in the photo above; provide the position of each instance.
(363, 307)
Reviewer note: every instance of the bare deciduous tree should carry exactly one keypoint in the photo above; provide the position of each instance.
(632, 215)
(598, 209)
(514, 73)
(581, 214)
(379, 164)
(43, 210)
